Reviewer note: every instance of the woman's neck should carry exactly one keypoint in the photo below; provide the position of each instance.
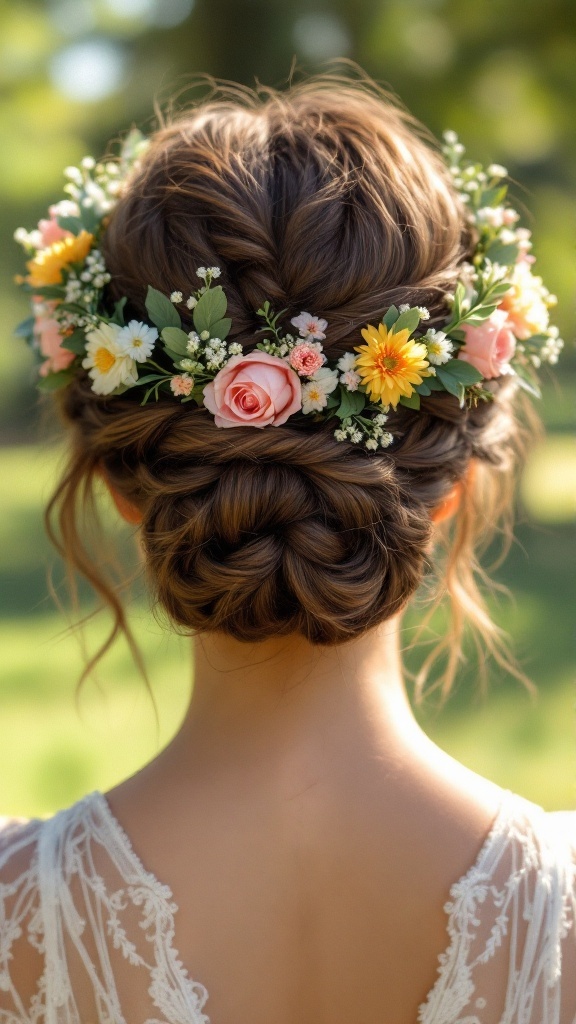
(285, 702)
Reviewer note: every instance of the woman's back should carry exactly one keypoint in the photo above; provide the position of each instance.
(323, 903)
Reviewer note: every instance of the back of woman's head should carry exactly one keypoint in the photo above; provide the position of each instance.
(330, 198)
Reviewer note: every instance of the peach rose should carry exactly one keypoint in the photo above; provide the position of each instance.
(490, 346)
(49, 339)
(256, 390)
(50, 230)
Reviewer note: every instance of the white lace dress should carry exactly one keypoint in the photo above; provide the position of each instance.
(91, 925)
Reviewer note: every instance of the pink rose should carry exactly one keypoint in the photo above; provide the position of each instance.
(490, 346)
(306, 359)
(50, 230)
(49, 338)
(256, 390)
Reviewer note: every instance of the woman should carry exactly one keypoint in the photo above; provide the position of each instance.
(300, 852)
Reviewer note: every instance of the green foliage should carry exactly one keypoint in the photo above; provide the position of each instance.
(351, 403)
(209, 312)
(161, 311)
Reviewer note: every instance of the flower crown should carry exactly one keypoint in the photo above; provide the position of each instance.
(498, 323)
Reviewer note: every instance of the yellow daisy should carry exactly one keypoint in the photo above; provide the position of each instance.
(389, 364)
(46, 267)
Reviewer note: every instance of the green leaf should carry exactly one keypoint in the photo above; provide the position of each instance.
(332, 401)
(25, 329)
(174, 356)
(48, 291)
(176, 339)
(75, 342)
(434, 384)
(407, 321)
(149, 377)
(493, 196)
(503, 254)
(527, 383)
(161, 311)
(451, 383)
(390, 317)
(209, 309)
(477, 318)
(118, 317)
(423, 388)
(461, 370)
(221, 328)
(73, 224)
(413, 402)
(90, 220)
(55, 381)
(351, 403)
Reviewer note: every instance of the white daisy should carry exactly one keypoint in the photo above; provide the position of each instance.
(440, 348)
(107, 364)
(315, 392)
(137, 340)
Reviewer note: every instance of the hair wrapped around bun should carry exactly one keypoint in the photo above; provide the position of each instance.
(330, 198)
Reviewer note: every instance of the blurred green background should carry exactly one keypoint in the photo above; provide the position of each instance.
(73, 73)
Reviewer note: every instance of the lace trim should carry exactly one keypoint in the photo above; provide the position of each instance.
(196, 994)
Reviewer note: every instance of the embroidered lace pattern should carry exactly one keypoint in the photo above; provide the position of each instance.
(91, 924)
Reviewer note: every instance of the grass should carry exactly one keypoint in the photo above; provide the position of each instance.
(57, 744)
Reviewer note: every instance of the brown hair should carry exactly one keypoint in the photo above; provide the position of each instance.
(327, 198)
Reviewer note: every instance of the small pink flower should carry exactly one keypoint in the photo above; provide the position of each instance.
(182, 384)
(306, 359)
(256, 390)
(49, 338)
(50, 230)
(350, 380)
(490, 346)
(310, 326)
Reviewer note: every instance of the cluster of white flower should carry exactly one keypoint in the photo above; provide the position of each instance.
(94, 186)
(348, 376)
(209, 353)
(374, 435)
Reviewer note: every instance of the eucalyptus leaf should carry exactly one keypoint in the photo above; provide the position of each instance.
(221, 329)
(209, 309)
(351, 403)
(407, 321)
(161, 311)
(451, 383)
(412, 402)
(75, 342)
(73, 224)
(118, 317)
(55, 381)
(434, 384)
(25, 329)
(461, 370)
(332, 401)
(390, 317)
(176, 339)
(527, 383)
(423, 388)
(506, 255)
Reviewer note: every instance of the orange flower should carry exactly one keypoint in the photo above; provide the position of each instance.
(525, 303)
(47, 265)
(389, 364)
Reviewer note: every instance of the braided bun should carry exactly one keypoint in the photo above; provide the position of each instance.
(326, 198)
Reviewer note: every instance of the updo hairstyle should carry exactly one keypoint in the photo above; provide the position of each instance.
(326, 198)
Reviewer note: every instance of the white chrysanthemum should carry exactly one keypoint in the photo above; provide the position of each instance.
(235, 349)
(440, 348)
(176, 297)
(191, 302)
(356, 437)
(137, 340)
(424, 312)
(193, 343)
(340, 435)
(380, 419)
(404, 307)
(386, 439)
(371, 444)
(107, 364)
(346, 362)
